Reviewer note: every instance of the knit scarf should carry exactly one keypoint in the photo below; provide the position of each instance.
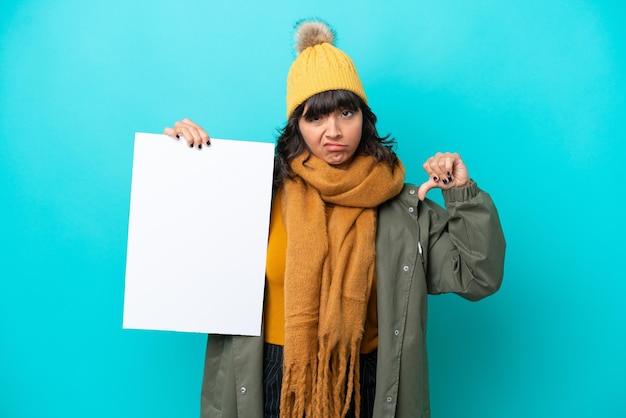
(330, 218)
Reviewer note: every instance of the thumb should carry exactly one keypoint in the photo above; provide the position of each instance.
(425, 187)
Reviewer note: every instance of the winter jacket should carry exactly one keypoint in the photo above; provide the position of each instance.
(421, 249)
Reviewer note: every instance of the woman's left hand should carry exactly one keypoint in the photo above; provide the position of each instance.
(445, 171)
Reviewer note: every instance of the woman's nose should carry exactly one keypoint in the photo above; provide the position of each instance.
(333, 127)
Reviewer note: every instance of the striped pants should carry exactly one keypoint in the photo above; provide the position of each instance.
(273, 379)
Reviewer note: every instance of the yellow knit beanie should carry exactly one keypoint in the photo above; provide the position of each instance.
(319, 66)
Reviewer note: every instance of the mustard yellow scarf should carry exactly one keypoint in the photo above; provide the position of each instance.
(330, 218)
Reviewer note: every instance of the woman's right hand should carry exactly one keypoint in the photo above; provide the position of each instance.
(190, 131)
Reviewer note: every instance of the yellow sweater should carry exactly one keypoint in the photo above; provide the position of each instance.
(274, 313)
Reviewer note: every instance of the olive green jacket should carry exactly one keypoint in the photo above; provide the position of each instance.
(420, 249)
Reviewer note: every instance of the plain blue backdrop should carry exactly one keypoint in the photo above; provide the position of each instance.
(532, 94)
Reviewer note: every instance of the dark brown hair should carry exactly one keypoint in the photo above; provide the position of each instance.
(290, 143)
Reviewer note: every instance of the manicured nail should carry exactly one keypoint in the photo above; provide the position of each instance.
(449, 174)
(191, 145)
(445, 181)
(435, 178)
(177, 136)
(208, 142)
(199, 146)
(449, 178)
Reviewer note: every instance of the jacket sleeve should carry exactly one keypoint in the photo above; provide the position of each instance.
(466, 246)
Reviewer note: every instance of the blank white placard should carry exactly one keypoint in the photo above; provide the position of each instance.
(197, 235)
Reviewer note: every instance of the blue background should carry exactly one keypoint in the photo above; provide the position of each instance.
(532, 94)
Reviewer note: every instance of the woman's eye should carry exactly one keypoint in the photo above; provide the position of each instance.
(347, 113)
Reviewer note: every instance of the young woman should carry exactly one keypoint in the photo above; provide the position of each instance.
(353, 252)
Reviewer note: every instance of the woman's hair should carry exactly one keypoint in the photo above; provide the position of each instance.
(290, 143)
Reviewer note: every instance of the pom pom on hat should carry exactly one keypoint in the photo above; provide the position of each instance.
(319, 66)
(312, 32)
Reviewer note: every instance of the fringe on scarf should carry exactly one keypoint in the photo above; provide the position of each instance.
(337, 385)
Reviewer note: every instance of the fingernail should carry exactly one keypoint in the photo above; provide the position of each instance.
(445, 181)
(199, 146)
(435, 178)
(449, 178)
(449, 174)
(191, 145)
(177, 136)
(208, 142)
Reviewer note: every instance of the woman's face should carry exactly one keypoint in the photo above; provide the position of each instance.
(334, 137)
